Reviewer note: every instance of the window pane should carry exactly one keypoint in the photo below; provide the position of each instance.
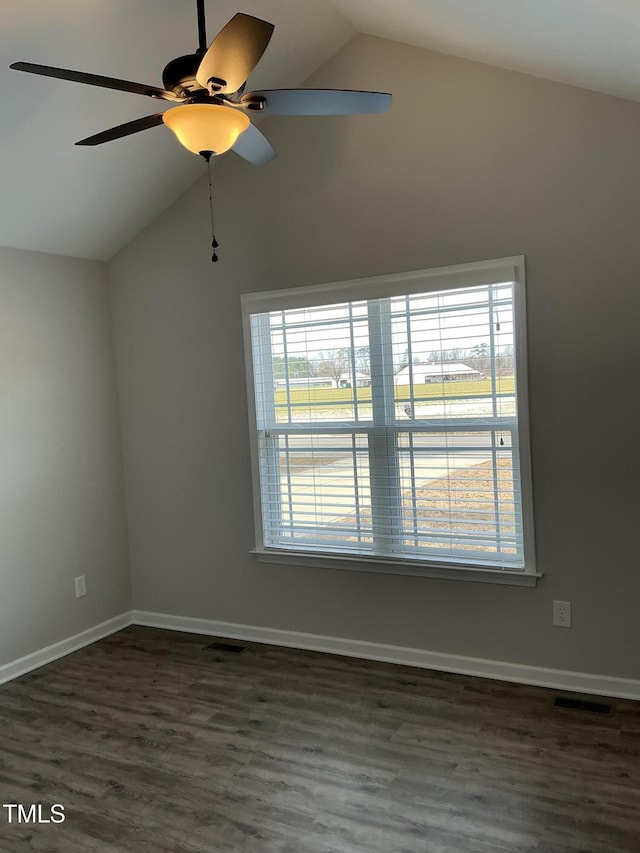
(320, 494)
(320, 364)
(460, 496)
(453, 353)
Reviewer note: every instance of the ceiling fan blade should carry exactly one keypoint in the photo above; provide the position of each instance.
(96, 80)
(254, 146)
(234, 53)
(318, 102)
(123, 130)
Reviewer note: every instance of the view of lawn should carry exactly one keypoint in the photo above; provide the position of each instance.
(301, 399)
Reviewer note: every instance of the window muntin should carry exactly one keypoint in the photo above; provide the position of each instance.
(389, 427)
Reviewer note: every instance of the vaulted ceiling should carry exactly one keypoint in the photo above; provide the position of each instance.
(88, 202)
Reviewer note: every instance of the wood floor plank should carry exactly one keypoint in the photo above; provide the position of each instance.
(155, 744)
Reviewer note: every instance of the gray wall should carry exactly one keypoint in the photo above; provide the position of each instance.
(471, 163)
(61, 495)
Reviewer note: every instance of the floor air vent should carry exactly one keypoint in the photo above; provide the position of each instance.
(581, 705)
(226, 647)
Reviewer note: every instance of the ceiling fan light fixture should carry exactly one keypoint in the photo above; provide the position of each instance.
(206, 127)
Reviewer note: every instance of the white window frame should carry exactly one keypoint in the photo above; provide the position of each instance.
(379, 287)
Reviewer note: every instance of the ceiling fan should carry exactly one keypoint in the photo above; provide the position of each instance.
(213, 112)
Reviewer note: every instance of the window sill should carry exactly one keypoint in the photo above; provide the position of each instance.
(395, 567)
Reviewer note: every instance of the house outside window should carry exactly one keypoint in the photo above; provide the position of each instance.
(390, 423)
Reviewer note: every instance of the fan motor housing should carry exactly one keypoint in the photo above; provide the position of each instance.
(179, 75)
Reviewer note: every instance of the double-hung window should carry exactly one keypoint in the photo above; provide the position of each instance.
(389, 423)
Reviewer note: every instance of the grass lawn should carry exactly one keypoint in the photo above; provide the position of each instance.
(307, 398)
(506, 384)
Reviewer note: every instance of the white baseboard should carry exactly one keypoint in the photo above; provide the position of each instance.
(58, 650)
(558, 679)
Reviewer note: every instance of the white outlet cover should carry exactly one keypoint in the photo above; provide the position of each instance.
(562, 614)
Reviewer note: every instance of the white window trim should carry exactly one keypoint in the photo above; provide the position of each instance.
(387, 566)
(420, 281)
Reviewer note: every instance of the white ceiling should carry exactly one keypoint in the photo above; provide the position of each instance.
(594, 44)
(89, 202)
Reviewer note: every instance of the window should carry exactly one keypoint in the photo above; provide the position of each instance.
(390, 423)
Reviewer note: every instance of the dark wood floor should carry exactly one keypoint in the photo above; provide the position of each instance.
(152, 743)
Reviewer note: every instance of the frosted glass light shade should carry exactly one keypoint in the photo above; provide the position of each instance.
(206, 127)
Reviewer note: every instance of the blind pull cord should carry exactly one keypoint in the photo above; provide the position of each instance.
(498, 357)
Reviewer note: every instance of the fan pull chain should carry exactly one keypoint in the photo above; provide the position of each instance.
(214, 242)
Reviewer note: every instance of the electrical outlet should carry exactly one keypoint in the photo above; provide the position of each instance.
(562, 614)
(81, 586)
